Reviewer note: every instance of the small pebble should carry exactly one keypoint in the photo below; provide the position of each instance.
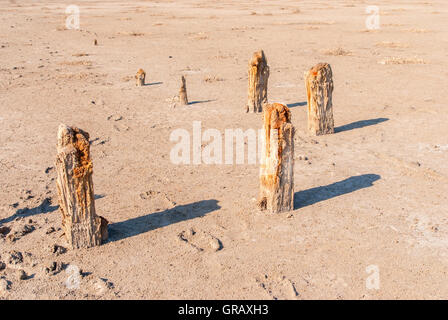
(102, 285)
(21, 275)
(57, 249)
(215, 244)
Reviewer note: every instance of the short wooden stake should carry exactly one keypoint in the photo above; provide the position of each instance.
(319, 88)
(183, 99)
(258, 82)
(82, 227)
(140, 78)
(277, 160)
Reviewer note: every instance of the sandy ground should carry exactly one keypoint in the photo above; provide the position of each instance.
(372, 194)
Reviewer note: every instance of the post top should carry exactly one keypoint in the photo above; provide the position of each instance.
(258, 58)
(323, 66)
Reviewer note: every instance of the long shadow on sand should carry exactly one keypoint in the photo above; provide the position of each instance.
(359, 124)
(45, 207)
(136, 226)
(318, 194)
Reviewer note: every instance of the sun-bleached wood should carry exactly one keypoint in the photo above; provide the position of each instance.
(277, 160)
(258, 82)
(183, 99)
(82, 227)
(319, 88)
(140, 78)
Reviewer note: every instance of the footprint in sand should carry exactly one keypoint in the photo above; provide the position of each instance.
(278, 287)
(200, 240)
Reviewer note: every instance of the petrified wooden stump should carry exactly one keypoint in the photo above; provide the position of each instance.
(82, 227)
(183, 99)
(258, 82)
(277, 160)
(319, 88)
(140, 77)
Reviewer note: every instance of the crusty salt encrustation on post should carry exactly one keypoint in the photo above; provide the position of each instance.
(81, 225)
(258, 82)
(277, 160)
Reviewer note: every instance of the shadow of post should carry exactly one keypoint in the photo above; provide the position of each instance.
(200, 101)
(359, 124)
(318, 194)
(45, 207)
(139, 225)
(297, 104)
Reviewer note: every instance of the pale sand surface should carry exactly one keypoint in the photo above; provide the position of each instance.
(374, 193)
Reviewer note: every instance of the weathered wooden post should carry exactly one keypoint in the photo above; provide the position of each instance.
(319, 88)
(258, 82)
(277, 160)
(82, 227)
(183, 99)
(140, 78)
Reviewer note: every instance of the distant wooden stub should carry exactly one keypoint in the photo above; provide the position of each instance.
(82, 227)
(183, 99)
(258, 82)
(319, 88)
(140, 78)
(277, 160)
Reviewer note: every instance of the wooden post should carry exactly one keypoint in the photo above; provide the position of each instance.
(319, 88)
(183, 99)
(82, 227)
(258, 82)
(140, 77)
(277, 160)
